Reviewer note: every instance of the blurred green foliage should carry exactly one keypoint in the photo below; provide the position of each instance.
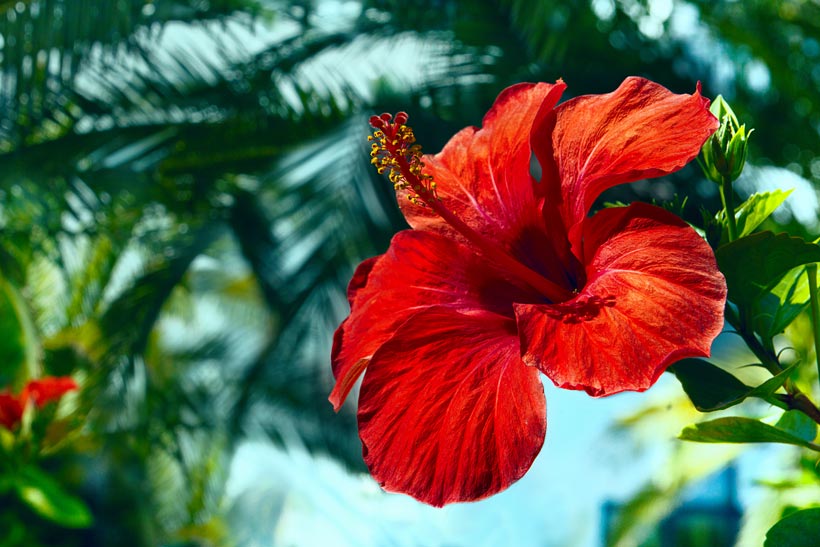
(185, 190)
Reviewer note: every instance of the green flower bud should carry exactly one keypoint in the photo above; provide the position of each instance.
(724, 153)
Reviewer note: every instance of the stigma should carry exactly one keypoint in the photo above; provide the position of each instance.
(393, 150)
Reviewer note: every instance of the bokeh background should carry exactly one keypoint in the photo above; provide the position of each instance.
(185, 190)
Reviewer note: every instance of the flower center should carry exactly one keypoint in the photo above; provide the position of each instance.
(394, 151)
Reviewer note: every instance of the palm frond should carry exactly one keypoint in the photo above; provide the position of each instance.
(48, 42)
(212, 164)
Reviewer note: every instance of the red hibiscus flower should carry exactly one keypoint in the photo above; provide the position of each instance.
(40, 392)
(504, 275)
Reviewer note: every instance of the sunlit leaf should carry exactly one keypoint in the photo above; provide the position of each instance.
(786, 300)
(739, 430)
(751, 213)
(767, 388)
(45, 496)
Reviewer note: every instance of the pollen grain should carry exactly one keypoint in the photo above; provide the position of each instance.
(393, 150)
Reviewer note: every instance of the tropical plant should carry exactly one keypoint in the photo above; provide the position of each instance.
(184, 192)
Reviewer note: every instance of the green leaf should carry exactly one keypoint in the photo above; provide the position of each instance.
(767, 388)
(752, 212)
(18, 348)
(48, 499)
(799, 529)
(739, 430)
(755, 263)
(709, 387)
(787, 299)
(798, 424)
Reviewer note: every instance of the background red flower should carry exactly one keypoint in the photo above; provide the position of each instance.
(40, 392)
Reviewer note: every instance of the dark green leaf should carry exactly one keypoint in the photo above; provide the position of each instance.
(739, 430)
(800, 529)
(709, 387)
(755, 263)
(798, 424)
(712, 388)
(46, 497)
(6, 484)
(14, 534)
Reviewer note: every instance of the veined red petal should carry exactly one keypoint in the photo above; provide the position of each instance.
(357, 282)
(483, 175)
(11, 410)
(654, 295)
(641, 130)
(347, 370)
(420, 269)
(448, 412)
(47, 389)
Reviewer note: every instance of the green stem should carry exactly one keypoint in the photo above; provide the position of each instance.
(794, 398)
(727, 197)
(767, 357)
(811, 273)
(813, 446)
(805, 405)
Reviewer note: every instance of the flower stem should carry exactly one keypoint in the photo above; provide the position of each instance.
(727, 197)
(794, 398)
(800, 402)
(811, 273)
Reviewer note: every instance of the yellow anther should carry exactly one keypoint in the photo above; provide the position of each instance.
(392, 151)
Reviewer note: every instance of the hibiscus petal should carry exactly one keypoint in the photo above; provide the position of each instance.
(448, 412)
(11, 410)
(653, 295)
(47, 389)
(419, 270)
(483, 175)
(347, 371)
(641, 130)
